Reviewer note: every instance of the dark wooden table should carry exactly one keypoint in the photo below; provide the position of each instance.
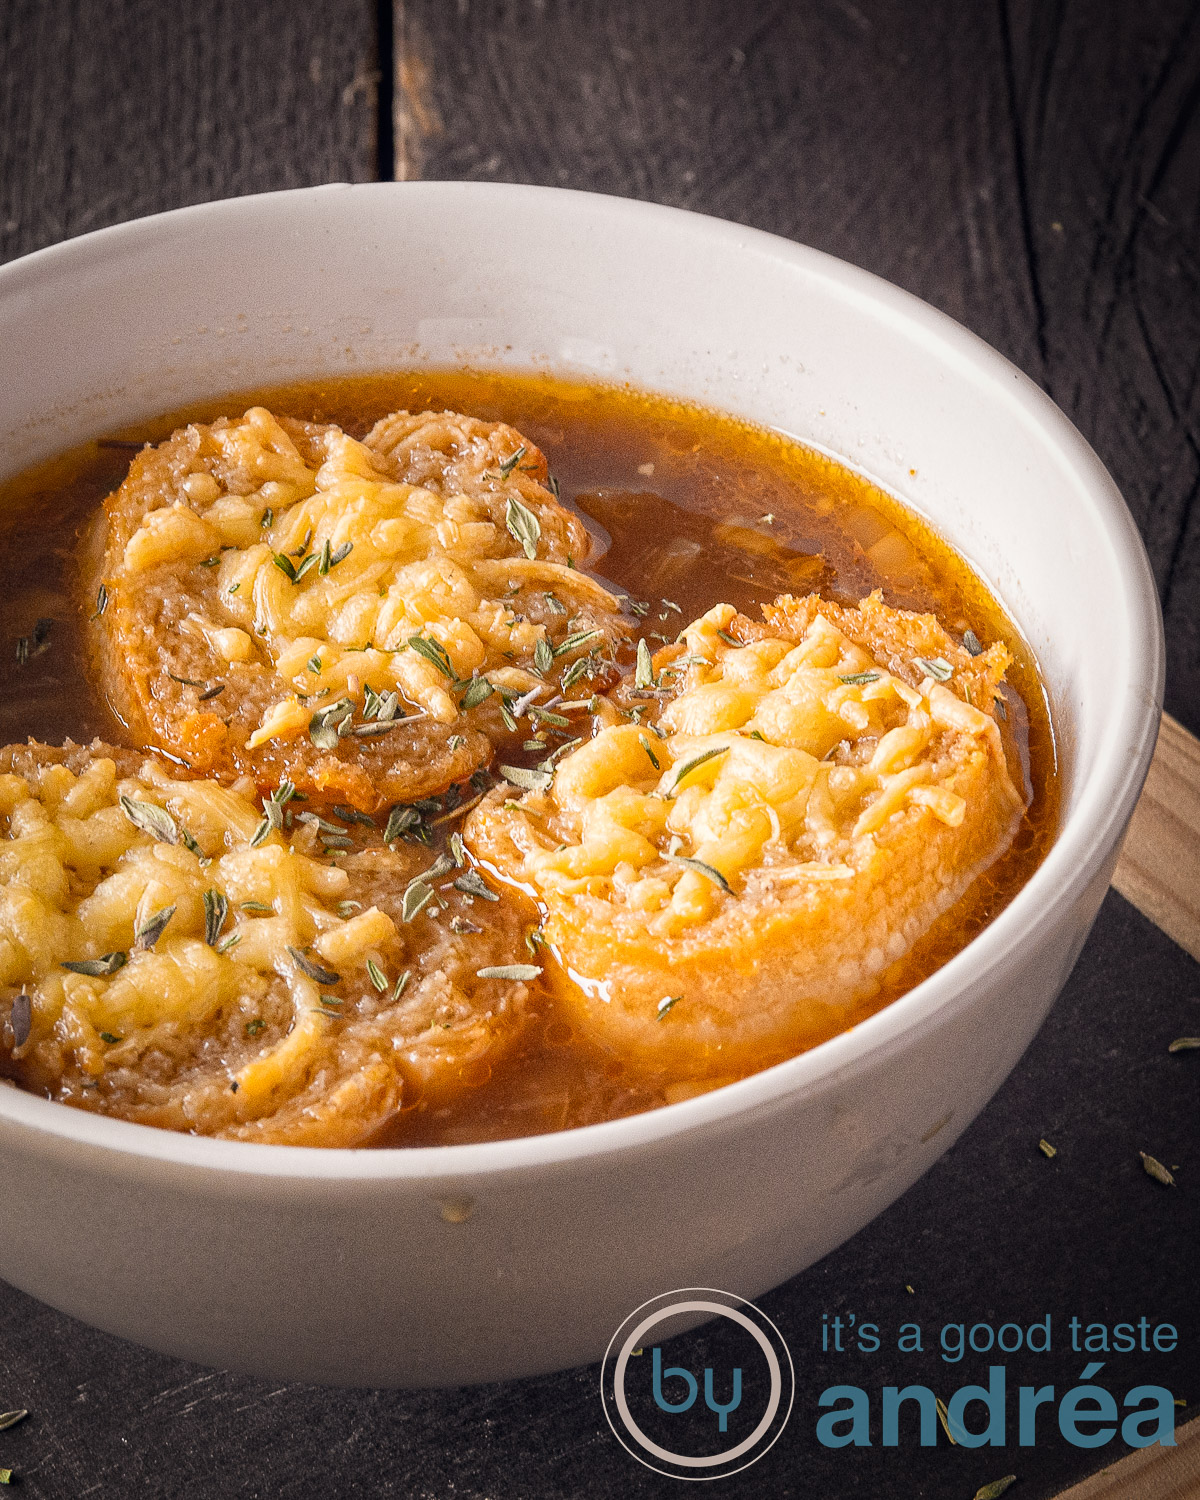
(1032, 167)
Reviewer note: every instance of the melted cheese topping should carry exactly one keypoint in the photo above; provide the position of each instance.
(169, 926)
(337, 571)
(778, 755)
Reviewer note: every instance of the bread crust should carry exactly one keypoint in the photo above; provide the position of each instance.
(260, 572)
(734, 887)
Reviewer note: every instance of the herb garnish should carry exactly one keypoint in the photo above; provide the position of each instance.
(255, 1026)
(153, 928)
(401, 984)
(401, 820)
(273, 813)
(686, 769)
(666, 1004)
(523, 526)
(997, 1488)
(20, 1018)
(151, 819)
(702, 869)
(1184, 1044)
(110, 1037)
(325, 726)
(944, 1419)
(1155, 1169)
(479, 690)
(435, 653)
(256, 908)
(212, 692)
(543, 656)
(572, 642)
(267, 518)
(1047, 1149)
(528, 780)
(510, 971)
(472, 884)
(376, 975)
(645, 744)
(971, 642)
(854, 679)
(328, 558)
(417, 895)
(510, 464)
(312, 969)
(30, 646)
(216, 909)
(98, 968)
(101, 602)
(936, 667)
(643, 676)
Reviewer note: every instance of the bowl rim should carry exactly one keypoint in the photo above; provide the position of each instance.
(1085, 840)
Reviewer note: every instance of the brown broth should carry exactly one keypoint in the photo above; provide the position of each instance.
(687, 508)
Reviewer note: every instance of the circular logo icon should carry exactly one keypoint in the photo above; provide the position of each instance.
(705, 1412)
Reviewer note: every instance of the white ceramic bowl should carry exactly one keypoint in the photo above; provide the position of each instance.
(359, 1267)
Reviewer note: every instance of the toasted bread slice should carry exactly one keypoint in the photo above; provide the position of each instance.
(728, 880)
(282, 601)
(173, 953)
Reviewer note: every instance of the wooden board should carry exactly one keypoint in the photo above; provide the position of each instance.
(1150, 1474)
(1031, 167)
(1159, 869)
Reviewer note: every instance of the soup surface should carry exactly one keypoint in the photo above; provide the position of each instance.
(686, 510)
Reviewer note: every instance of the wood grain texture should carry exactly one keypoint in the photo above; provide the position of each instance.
(1159, 868)
(1151, 1474)
(127, 107)
(1032, 167)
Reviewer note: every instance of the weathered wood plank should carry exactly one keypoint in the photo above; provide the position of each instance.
(1031, 168)
(114, 108)
(1159, 869)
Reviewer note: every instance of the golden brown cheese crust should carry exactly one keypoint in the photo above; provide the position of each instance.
(166, 959)
(265, 581)
(729, 880)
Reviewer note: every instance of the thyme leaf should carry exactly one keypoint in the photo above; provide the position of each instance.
(435, 653)
(685, 770)
(153, 928)
(527, 779)
(702, 869)
(523, 526)
(471, 883)
(20, 1018)
(417, 895)
(151, 819)
(643, 676)
(98, 968)
(216, 909)
(312, 969)
(936, 667)
(479, 690)
(1154, 1168)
